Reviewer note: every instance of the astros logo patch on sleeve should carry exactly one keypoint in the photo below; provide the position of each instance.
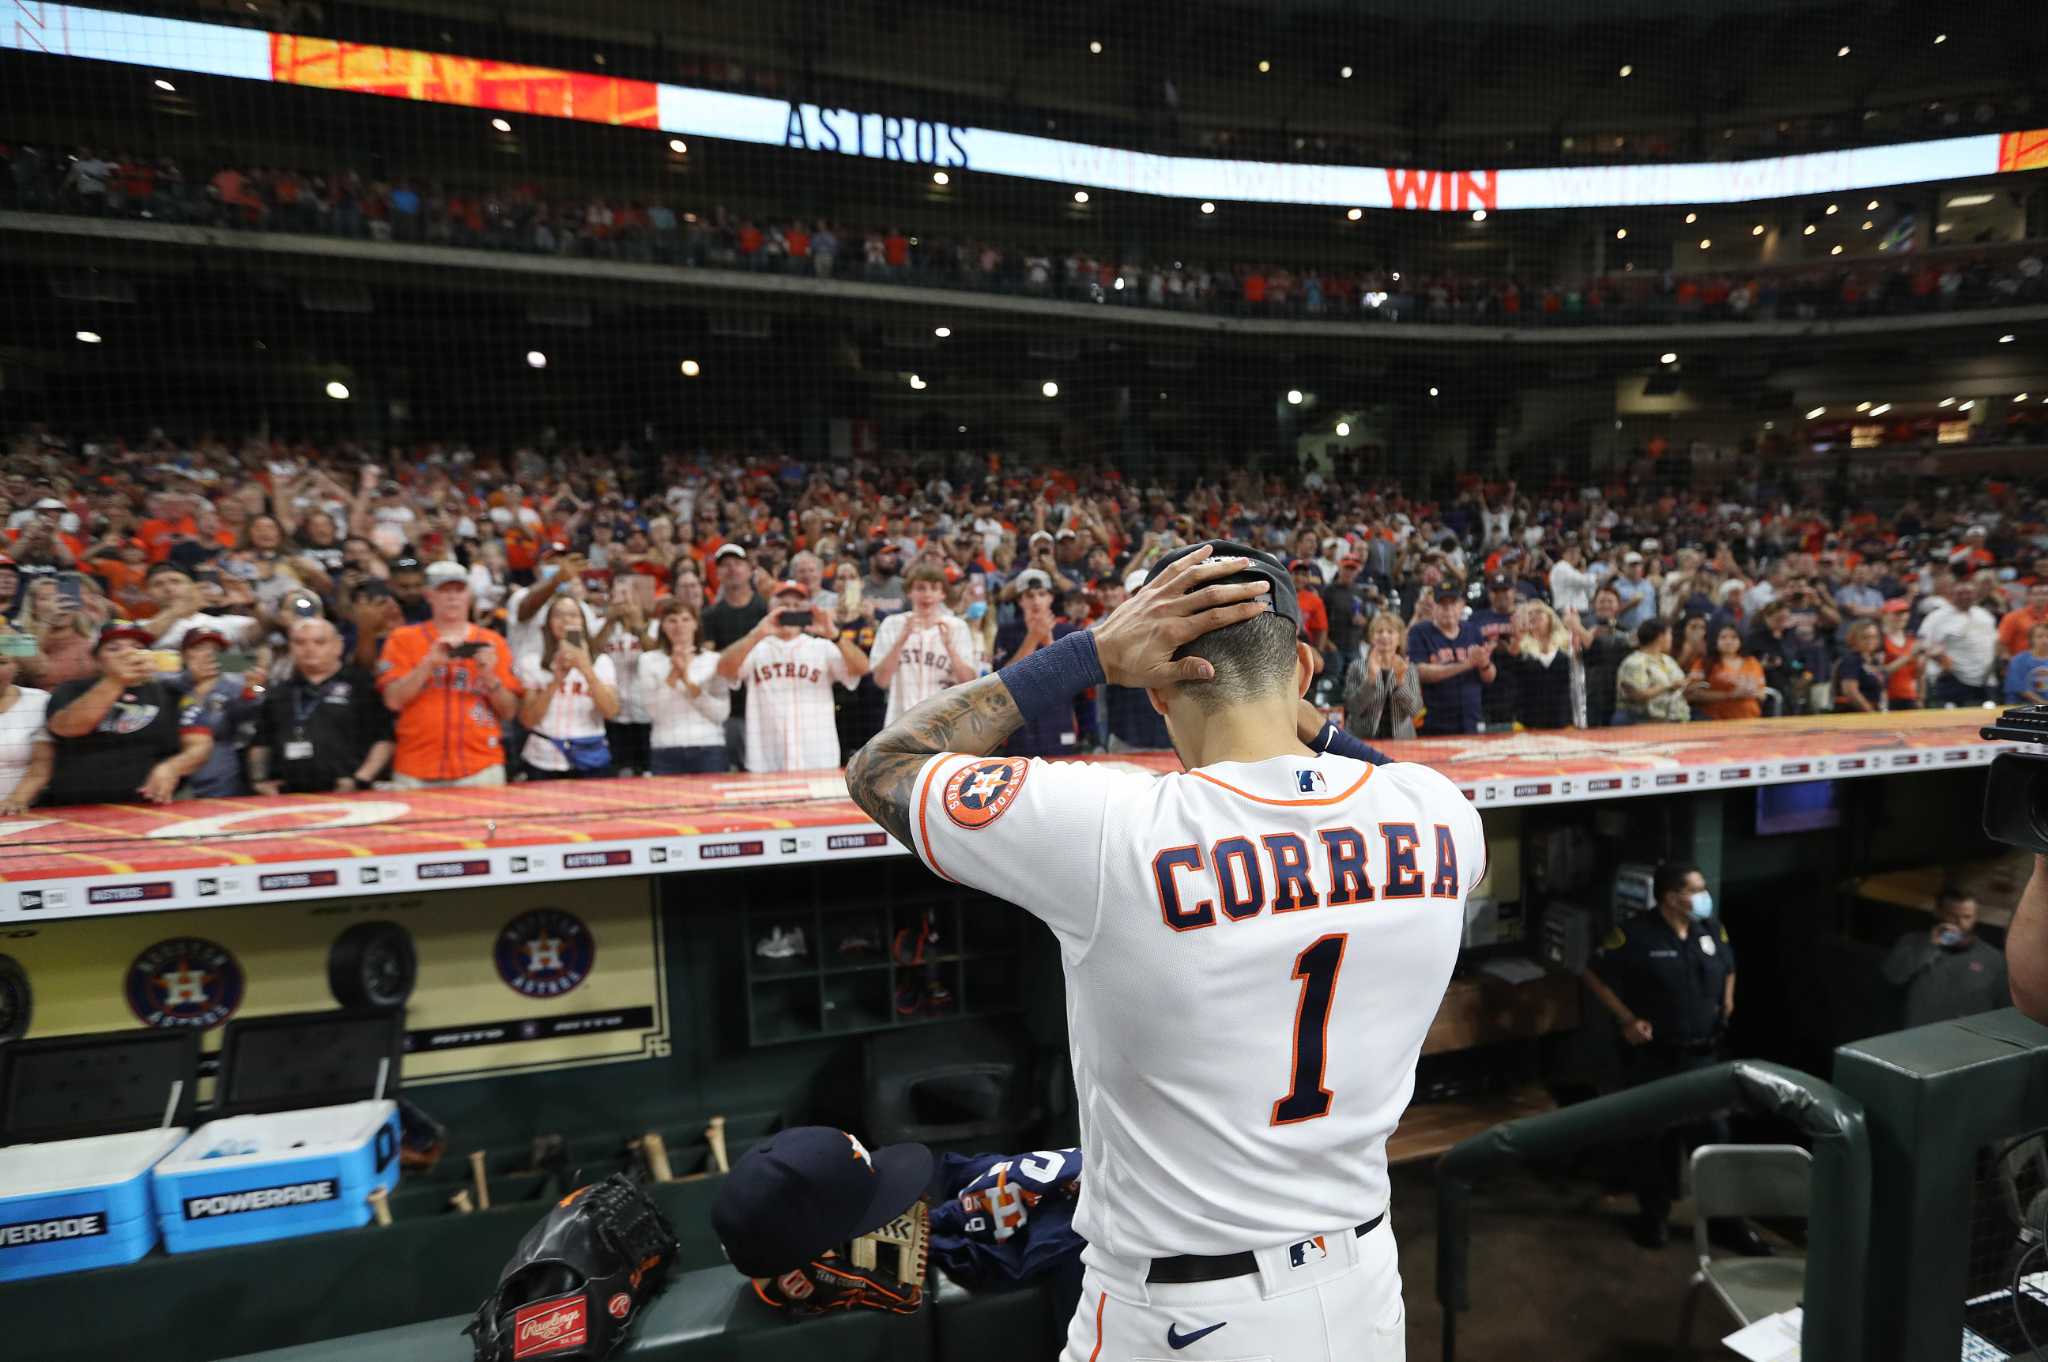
(980, 791)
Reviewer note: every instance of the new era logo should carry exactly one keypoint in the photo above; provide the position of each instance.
(1310, 782)
(1306, 1252)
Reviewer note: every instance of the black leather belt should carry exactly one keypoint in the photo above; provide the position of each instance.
(1190, 1267)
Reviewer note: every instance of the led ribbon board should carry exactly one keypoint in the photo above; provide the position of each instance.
(511, 87)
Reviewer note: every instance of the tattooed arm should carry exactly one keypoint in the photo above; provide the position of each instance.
(1134, 646)
(973, 719)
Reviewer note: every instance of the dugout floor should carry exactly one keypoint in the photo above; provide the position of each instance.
(1554, 1275)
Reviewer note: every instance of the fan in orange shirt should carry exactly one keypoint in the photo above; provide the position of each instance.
(451, 685)
(1732, 687)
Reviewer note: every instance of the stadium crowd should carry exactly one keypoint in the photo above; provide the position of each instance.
(212, 618)
(528, 218)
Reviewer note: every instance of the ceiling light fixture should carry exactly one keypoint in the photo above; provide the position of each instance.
(942, 331)
(1479, 215)
(87, 337)
(2006, 339)
(1294, 397)
(1842, 51)
(1264, 67)
(1691, 218)
(941, 177)
(1757, 230)
(691, 368)
(1080, 196)
(1880, 409)
(1668, 357)
(1621, 234)
(337, 390)
(1208, 207)
(678, 146)
(1627, 71)
(1344, 73)
(1816, 413)
(501, 125)
(1343, 429)
(165, 86)
(1095, 48)
(1355, 214)
(535, 359)
(1049, 388)
(1706, 243)
(1946, 402)
(1432, 392)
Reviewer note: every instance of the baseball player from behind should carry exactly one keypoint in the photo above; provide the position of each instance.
(1253, 948)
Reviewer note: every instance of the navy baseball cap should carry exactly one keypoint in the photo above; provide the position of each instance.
(1260, 566)
(810, 1188)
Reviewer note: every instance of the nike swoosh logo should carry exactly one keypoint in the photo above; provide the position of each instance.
(1177, 1340)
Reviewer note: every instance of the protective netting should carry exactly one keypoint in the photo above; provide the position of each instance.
(305, 300)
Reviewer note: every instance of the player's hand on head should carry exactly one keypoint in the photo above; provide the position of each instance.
(1136, 642)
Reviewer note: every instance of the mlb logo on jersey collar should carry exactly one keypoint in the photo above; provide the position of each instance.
(1310, 782)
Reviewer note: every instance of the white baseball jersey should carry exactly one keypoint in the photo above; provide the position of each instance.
(925, 665)
(1253, 953)
(790, 725)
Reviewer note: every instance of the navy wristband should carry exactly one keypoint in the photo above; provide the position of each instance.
(1335, 740)
(1049, 679)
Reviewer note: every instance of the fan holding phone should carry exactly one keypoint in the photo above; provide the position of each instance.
(569, 695)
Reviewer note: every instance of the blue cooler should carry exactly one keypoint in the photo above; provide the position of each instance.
(247, 1179)
(73, 1204)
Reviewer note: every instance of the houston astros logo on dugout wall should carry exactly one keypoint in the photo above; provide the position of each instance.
(184, 981)
(980, 791)
(544, 953)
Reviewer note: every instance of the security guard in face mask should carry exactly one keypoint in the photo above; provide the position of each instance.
(1668, 976)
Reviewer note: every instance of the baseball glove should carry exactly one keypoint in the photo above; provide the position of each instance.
(832, 1283)
(579, 1278)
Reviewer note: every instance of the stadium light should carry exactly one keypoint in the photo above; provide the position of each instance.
(1810, 229)
(1355, 214)
(690, 368)
(678, 146)
(942, 331)
(1863, 406)
(87, 337)
(1343, 429)
(917, 383)
(1432, 392)
(1837, 250)
(501, 125)
(1479, 215)
(1967, 405)
(1833, 208)
(1119, 283)
(1969, 200)
(1344, 73)
(535, 359)
(1208, 207)
(1946, 402)
(1757, 230)
(1621, 234)
(1706, 243)
(1095, 49)
(1816, 413)
(2021, 397)
(941, 177)
(1627, 71)
(1842, 51)
(1668, 357)
(1294, 397)
(1691, 218)
(1049, 388)
(1868, 224)
(165, 86)
(1264, 67)
(337, 390)
(1870, 207)
(1080, 196)
(1880, 409)
(1940, 38)
(2006, 339)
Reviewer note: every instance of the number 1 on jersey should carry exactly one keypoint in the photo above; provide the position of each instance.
(1317, 968)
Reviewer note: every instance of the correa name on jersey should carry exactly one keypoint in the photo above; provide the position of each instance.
(1244, 876)
(260, 1199)
(22, 1233)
